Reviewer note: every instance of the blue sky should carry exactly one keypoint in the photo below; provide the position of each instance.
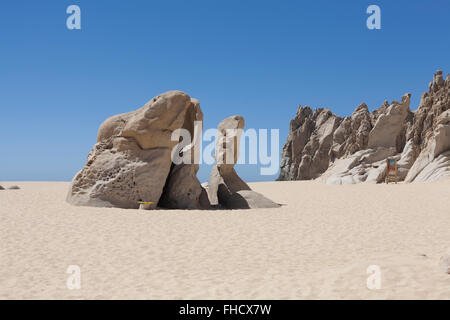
(260, 59)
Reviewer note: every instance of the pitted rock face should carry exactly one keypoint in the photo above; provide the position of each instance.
(430, 133)
(418, 140)
(444, 262)
(307, 153)
(132, 158)
(389, 124)
(132, 161)
(152, 125)
(182, 189)
(225, 187)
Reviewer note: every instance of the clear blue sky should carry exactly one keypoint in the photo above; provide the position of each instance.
(260, 59)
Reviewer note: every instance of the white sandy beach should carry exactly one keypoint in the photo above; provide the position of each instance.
(317, 246)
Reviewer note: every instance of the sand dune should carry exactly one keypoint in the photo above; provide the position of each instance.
(317, 246)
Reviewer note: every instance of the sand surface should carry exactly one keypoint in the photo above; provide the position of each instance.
(317, 246)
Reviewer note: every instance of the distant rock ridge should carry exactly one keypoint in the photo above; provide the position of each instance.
(353, 149)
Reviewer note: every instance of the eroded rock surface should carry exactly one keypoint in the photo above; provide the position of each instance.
(249, 199)
(360, 144)
(182, 189)
(444, 262)
(134, 161)
(225, 187)
(131, 160)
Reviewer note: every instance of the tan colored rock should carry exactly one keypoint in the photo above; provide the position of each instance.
(389, 124)
(307, 153)
(353, 133)
(337, 150)
(132, 158)
(316, 154)
(444, 262)
(438, 142)
(363, 166)
(301, 128)
(1, 188)
(436, 170)
(419, 141)
(406, 161)
(224, 180)
(430, 132)
(225, 187)
(182, 189)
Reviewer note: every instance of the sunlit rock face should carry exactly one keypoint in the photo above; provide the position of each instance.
(226, 189)
(354, 149)
(131, 161)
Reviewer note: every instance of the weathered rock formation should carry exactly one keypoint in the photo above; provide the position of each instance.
(225, 187)
(183, 190)
(131, 161)
(444, 262)
(354, 149)
(10, 188)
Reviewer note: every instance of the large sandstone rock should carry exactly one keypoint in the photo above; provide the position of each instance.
(249, 199)
(183, 190)
(361, 143)
(363, 166)
(225, 187)
(1, 188)
(131, 160)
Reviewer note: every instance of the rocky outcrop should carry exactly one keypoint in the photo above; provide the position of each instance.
(226, 188)
(134, 162)
(360, 144)
(248, 199)
(11, 188)
(131, 160)
(353, 133)
(433, 158)
(389, 126)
